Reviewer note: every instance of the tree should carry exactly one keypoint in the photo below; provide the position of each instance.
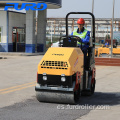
(107, 36)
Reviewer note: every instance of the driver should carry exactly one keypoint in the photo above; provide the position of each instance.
(84, 35)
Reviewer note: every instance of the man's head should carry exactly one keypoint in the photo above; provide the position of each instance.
(80, 23)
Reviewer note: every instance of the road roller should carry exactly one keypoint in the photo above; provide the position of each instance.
(62, 76)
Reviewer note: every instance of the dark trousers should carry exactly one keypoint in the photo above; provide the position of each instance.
(84, 50)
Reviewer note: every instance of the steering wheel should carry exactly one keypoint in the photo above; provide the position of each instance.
(72, 36)
(77, 38)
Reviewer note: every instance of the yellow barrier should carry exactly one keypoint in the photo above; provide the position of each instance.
(103, 50)
(116, 51)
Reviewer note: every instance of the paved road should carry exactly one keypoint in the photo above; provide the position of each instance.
(17, 95)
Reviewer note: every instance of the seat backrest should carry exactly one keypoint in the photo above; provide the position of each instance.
(90, 57)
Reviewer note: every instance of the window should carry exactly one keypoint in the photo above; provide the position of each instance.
(0, 34)
(21, 35)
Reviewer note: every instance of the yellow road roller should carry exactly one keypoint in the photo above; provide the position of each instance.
(62, 76)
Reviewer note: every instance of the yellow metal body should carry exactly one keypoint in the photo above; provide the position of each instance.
(102, 50)
(61, 60)
(116, 51)
(95, 52)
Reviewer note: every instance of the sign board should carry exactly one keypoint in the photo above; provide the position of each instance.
(26, 6)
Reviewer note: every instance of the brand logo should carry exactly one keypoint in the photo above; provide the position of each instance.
(26, 6)
(58, 54)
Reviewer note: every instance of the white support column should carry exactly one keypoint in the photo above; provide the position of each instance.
(41, 31)
(30, 32)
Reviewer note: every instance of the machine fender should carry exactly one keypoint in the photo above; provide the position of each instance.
(37, 77)
(93, 75)
(78, 80)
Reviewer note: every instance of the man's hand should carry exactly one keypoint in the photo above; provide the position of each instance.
(78, 38)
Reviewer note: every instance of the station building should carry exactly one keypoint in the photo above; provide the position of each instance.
(17, 30)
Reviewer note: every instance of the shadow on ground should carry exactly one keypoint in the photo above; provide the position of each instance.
(100, 98)
(32, 109)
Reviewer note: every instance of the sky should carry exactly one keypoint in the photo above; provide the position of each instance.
(102, 8)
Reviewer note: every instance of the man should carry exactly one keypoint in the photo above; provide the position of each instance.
(84, 35)
(106, 44)
(115, 45)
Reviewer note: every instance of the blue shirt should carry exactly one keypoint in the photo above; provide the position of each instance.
(86, 39)
(106, 44)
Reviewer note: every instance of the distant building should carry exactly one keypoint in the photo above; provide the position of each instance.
(12, 31)
(17, 30)
(103, 27)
